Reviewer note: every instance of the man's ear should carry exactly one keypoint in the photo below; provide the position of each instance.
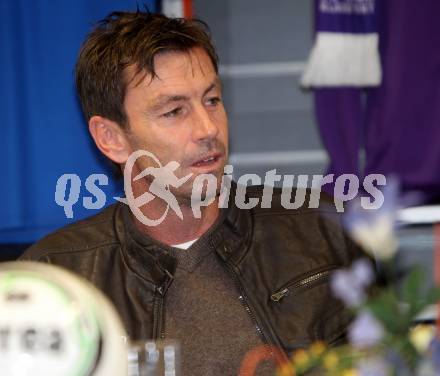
(110, 139)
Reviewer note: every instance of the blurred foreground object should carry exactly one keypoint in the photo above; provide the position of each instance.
(394, 331)
(54, 323)
(154, 358)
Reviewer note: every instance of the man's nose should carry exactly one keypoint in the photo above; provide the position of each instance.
(204, 125)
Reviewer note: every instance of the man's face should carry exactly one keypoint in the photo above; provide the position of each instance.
(179, 116)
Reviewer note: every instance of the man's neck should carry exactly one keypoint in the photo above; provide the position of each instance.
(173, 230)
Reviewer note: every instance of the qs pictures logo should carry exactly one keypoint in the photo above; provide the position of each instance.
(162, 179)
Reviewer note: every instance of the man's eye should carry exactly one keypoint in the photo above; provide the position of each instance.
(213, 101)
(173, 113)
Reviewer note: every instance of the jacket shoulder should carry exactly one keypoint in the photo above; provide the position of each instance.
(314, 224)
(87, 234)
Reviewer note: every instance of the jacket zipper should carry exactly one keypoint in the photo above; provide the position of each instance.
(247, 308)
(242, 299)
(286, 290)
(157, 309)
(161, 309)
(162, 329)
(244, 302)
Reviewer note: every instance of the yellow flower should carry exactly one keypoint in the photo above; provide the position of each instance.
(317, 348)
(300, 358)
(350, 372)
(286, 370)
(330, 360)
(421, 336)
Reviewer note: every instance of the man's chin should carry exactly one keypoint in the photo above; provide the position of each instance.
(201, 189)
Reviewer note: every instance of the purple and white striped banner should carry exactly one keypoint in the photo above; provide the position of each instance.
(345, 52)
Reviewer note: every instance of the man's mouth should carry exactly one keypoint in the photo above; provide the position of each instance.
(207, 160)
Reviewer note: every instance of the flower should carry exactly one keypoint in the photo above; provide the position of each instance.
(317, 348)
(349, 372)
(374, 229)
(330, 360)
(300, 358)
(365, 331)
(377, 238)
(286, 370)
(363, 271)
(349, 284)
(421, 337)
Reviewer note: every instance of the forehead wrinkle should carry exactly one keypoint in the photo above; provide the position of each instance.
(163, 99)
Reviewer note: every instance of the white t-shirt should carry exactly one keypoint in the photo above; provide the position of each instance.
(185, 245)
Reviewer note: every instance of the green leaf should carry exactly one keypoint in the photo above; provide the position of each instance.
(412, 286)
(385, 307)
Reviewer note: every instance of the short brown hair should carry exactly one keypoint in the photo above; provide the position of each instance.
(125, 39)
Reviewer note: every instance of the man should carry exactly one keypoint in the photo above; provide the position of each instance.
(245, 277)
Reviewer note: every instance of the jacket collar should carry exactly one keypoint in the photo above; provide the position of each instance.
(154, 261)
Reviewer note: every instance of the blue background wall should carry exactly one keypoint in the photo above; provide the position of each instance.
(42, 132)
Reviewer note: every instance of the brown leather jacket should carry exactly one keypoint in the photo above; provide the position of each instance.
(280, 260)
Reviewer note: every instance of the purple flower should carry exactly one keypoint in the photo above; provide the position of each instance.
(349, 284)
(365, 331)
(363, 272)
